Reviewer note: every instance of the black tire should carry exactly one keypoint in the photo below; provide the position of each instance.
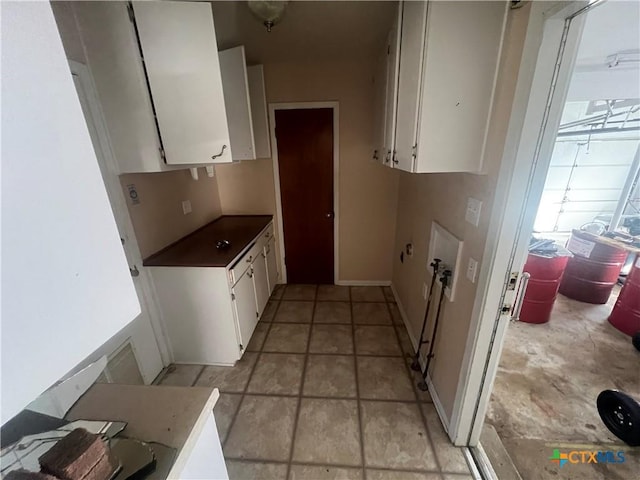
(621, 415)
(636, 341)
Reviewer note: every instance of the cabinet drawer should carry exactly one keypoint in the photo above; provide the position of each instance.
(238, 268)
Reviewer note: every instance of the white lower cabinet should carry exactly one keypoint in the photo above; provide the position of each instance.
(210, 313)
(243, 295)
(272, 264)
(261, 281)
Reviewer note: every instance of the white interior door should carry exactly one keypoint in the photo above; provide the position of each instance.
(531, 135)
(142, 332)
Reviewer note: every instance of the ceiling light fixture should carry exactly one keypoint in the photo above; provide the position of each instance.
(269, 11)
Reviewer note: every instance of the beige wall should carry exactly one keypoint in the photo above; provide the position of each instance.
(442, 198)
(158, 219)
(367, 191)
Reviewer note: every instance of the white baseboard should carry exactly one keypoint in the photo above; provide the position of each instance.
(432, 391)
(364, 283)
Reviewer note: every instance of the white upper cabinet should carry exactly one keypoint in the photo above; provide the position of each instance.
(178, 42)
(459, 76)
(259, 115)
(235, 83)
(449, 56)
(246, 102)
(414, 18)
(386, 94)
(167, 111)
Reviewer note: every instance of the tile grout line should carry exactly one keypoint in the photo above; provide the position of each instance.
(408, 370)
(355, 368)
(198, 377)
(304, 374)
(244, 390)
(341, 465)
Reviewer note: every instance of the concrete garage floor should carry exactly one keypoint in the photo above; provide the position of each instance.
(546, 388)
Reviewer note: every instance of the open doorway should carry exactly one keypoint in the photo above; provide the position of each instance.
(543, 375)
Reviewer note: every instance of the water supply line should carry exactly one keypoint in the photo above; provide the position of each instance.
(415, 365)
(444, 280)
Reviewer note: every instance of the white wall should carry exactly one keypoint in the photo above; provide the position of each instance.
(66, 287)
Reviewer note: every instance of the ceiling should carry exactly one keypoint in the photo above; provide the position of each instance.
(309, 30)
(610, 28)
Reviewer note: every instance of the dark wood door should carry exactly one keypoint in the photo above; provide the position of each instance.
(305, 159)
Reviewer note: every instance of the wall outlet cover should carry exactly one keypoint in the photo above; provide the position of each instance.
(186, 207)
(474, 207)
(472, 269)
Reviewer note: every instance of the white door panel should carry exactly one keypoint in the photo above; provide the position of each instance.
(261, 282)
(181, 57)
(412, 41)
(244, 304)
(272, 264)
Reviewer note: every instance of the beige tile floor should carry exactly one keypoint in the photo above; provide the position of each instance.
(325, 392)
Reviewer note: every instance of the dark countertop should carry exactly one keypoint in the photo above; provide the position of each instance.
(198, 249)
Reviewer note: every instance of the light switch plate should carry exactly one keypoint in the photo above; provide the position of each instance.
(472, 269)
(186, 207)
(474, 206)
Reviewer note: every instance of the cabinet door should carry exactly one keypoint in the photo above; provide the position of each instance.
(259, 115)
(392, 70)
(463, 48)
(261, 281)
(113, 56)
(233, 68)
(380, 99)
(179, 47)
(414, 18)
(272, 264)
(244, 305)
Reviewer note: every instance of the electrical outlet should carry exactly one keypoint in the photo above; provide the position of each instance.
(186, 207)
(472, 269)
(425, 290)
(474, 206)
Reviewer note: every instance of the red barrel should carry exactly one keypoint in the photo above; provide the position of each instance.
(593, 270)
(625, 315)
(546, 272)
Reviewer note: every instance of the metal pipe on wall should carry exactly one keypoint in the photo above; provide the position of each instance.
(626, 192)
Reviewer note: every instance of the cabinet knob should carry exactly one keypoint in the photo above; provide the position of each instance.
(250, 259)
(329, 215)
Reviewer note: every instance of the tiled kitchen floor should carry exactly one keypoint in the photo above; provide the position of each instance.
(325, 392)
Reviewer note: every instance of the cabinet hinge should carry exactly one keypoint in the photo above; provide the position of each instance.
(257, 315)
(130, 12)
(394, 158)
(241, 347)
(163, 155)
(233, 296)
(414, 151)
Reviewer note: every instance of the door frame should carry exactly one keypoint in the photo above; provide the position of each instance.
(147, 295)
(544, 75)
(336, 175)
